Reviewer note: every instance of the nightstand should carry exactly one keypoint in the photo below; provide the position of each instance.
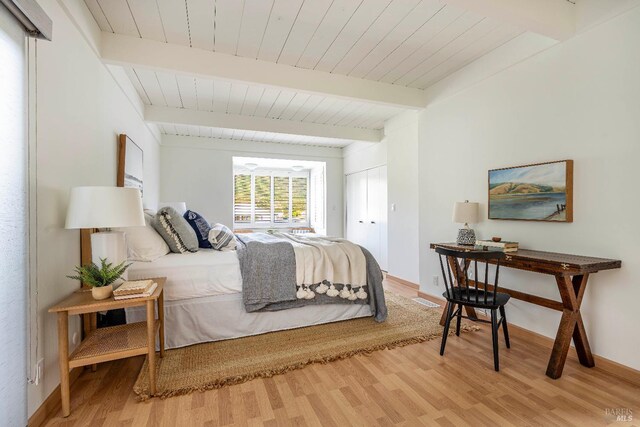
(110, 343)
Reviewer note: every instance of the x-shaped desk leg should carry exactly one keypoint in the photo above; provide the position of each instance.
(571, 326)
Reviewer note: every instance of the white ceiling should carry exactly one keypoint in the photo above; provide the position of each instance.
(407, 43)
(179, 91)
(411, 43)
(248, 135)
(269, 163)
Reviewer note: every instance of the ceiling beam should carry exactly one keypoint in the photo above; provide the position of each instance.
(132, 51)
(552, 18)
(182, 116)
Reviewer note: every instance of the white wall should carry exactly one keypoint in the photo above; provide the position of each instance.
(398, 151)
(80, 111)
(401, 136)
(577, 100)
(359, 156)
(199, 171)
(13, 220)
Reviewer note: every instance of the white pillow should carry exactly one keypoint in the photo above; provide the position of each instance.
(144, 243)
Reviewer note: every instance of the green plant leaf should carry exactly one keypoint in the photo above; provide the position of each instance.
(98, 276)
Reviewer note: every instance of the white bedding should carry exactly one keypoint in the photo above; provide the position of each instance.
(201, 274)
(223, 317)
(203, 295)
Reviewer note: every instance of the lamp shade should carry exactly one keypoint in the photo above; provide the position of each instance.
(104, 207)
(465, 212)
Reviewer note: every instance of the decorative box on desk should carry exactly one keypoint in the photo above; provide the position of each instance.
(110, 343)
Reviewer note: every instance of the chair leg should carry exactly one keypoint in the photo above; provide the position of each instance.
(505, 328)
(446, 327)
(494, 336)
(459, 319)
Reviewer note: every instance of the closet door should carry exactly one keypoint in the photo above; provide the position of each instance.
(367, 211)
(372, 222)
(383, 219)
(357, 207)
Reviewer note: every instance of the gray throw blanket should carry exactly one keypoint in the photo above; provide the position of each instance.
(268, 268)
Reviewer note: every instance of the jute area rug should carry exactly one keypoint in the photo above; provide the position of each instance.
(213, 365)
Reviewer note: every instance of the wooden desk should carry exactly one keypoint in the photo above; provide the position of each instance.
(111, 343)
(571, 273)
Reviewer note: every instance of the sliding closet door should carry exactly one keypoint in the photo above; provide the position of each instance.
(366, 211)
(377, 214)
(13, 221)
(383, 218)
(372, 222)
(357, 207)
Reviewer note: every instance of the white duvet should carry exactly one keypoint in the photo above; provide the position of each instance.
(209, 272)
(204, 273)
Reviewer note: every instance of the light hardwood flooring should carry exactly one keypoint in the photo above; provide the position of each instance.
(407, 386)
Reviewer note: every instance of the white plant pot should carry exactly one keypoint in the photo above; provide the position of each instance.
(102, 292)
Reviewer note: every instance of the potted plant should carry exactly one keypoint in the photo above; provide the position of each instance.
(100, 278)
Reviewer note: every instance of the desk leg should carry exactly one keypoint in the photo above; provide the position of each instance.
(571, 326)
(151, 344)
(443, 318)
(63, 355)
(579, 333)
(457, 271)
(161, 320)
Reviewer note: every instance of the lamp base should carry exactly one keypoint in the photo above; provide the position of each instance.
(110, 245)
(466, 236)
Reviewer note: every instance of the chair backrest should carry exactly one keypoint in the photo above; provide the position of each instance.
(455, 267)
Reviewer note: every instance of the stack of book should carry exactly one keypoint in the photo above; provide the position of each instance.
(135, 289)
(501, 246)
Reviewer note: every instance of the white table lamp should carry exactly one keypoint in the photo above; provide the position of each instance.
(464, 213)
(105, 208)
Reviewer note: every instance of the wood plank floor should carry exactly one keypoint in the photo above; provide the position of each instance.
(408, 386)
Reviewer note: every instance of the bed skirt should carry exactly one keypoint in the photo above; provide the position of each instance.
(222, 317)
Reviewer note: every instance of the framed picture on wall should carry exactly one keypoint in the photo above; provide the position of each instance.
(130, 164)
(536, 192)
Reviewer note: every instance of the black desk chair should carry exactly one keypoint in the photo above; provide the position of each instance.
(462, 291)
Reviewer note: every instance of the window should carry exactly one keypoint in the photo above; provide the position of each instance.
(271, 198)
(242, 199)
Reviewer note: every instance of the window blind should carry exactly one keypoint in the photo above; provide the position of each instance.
(299, 199)
(281, 199)
(14, 245)
(262, 199)
(242, 199)
(270, 199)
(31, 16)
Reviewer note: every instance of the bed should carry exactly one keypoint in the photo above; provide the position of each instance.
(204, 301)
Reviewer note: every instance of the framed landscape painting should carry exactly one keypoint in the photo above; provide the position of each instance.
(538, 192)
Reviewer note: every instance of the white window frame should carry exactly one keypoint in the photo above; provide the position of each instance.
(272, 173)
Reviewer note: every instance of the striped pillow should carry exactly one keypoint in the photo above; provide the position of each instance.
(221, 237)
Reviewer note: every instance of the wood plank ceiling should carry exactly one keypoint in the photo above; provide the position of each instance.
(170, 90)
(412, 43)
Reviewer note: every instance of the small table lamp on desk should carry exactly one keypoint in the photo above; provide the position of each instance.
(105, 208)
(464, 213)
